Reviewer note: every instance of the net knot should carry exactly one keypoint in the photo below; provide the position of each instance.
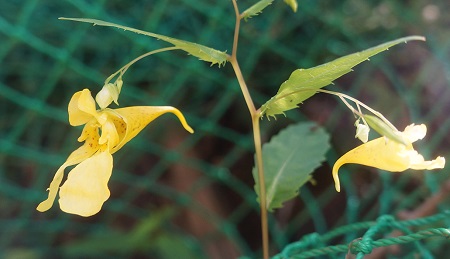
(385, 221)
(361, 246)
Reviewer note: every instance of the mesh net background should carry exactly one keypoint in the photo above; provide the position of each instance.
(176, 195)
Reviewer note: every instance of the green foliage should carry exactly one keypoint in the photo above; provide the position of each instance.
(200, 51)
(289, 159)
(148, 236)
(304, 83)
(256, 9)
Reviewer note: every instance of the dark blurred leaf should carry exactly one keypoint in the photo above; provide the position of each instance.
(149, 236)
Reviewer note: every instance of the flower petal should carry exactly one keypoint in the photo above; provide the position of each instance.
(82, 153)
(109, 134)
(381, 153)
(81, 108)
(418, 162)
(415, 132)
(137, 117)
(120, 127)
(52, 190)
(86, 187)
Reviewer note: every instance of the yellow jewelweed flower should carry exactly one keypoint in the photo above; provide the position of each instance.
(389, 155)
(104, 133)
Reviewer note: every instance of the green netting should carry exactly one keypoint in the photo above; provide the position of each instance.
(176, 195)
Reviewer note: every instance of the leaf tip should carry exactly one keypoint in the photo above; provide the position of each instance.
(422, 38)
(415, 37)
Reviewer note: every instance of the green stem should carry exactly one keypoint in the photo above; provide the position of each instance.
(236, 29)
(255, 116)
(262, 186)
(243, 85)
(124, 68)
(344, 96)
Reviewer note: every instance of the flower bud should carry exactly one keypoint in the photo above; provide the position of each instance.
(362, 131)
(385, 130)
(107, 95)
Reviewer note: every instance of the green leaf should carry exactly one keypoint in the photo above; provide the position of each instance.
(200, 51)
(293, 4)
(289, 159)
(303, 83)
(256, 9)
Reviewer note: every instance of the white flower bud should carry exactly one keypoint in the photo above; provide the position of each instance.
(362, 132)
(108, 94)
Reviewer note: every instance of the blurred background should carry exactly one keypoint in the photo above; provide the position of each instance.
(176, 195)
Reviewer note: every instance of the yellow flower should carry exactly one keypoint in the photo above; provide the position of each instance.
(389, 155)
(104, 133)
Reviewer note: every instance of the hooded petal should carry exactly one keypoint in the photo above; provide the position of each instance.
(86, 187)
(82, 153)
(136, 118)
(81, 108)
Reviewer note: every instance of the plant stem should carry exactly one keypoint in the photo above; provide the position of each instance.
(344, 96)
(255, 116)
(262, 186)
(236, 28)
(243, 85)
(124, 68)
